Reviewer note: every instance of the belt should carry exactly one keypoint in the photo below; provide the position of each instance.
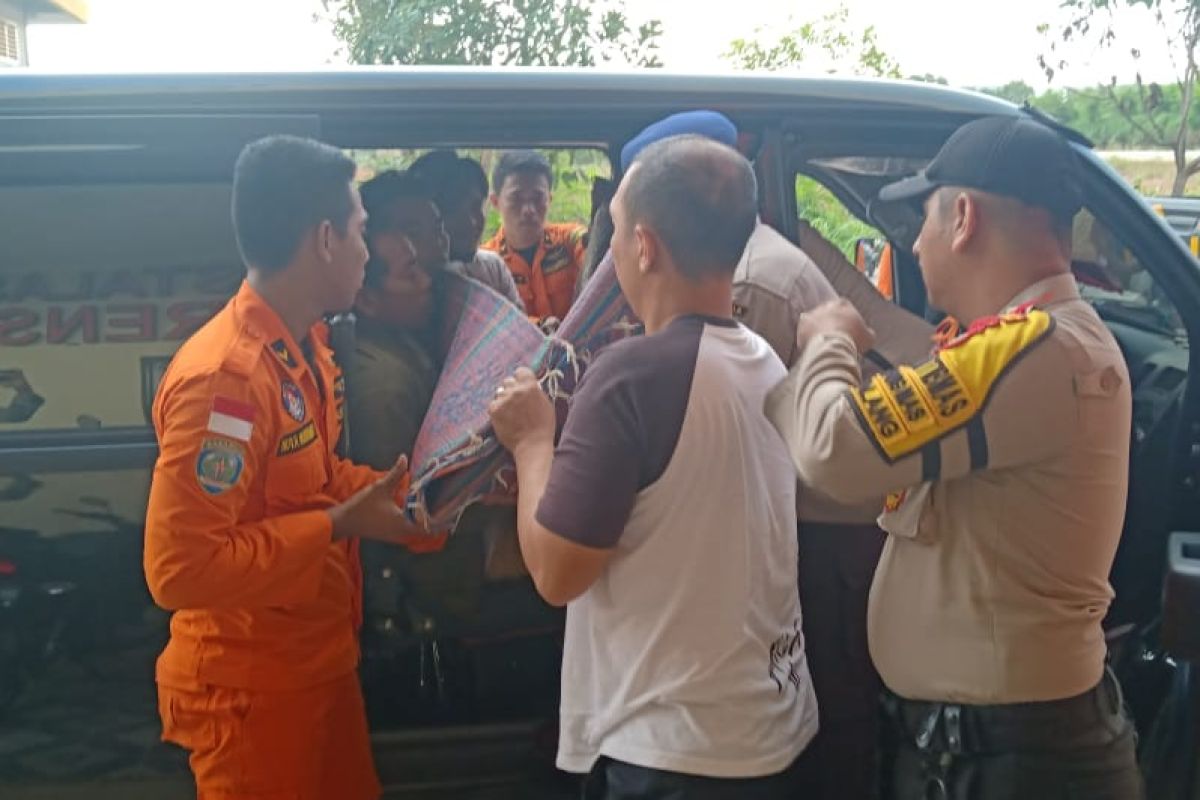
(1092, 719)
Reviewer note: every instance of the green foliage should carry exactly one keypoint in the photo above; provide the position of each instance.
(831, 219)
(1094, 113)
(574, 171)
(826, 42)
(1018, 92)
(542, 33)
(929, 77)
(1161, 116)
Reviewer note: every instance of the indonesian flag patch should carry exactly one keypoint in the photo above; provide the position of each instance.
(231, 418)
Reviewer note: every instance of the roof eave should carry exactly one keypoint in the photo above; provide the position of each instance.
(53, 11)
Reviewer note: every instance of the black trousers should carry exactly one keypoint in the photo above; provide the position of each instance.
(837, 564)
(617, 780)
(1081, 747)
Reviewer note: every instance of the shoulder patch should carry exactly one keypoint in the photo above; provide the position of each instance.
(293, 401)
(232, 418)
(283, 355)
(219, 465)
(905, 409)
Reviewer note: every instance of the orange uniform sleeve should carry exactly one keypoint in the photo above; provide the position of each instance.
(208, 543)
(350, 478)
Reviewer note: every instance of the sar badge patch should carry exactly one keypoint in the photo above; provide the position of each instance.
(293, 401)
(908, 408)
(219, 465)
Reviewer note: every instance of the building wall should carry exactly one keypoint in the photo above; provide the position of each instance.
(9, 12)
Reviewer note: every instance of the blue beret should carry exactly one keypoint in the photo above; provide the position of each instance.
(699, 123)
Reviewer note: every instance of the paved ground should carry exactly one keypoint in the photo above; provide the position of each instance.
(88, 730)
(88, 724)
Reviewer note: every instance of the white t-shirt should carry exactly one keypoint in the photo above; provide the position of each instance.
(687, 654)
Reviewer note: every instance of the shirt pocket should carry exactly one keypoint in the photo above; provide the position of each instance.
(560, 289)
(295, 479)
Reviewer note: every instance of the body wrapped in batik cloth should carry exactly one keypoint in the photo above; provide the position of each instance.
(483, 338)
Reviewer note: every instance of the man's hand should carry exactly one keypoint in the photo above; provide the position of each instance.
(835, 316)
(521, 412)
(372, 513)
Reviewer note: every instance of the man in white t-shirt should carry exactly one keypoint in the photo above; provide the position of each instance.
(665, 519)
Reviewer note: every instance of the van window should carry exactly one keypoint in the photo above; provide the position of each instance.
(863, 245)
(576, 171)
(1116, 282)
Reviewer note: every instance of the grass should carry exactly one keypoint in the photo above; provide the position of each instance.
(1152, 178)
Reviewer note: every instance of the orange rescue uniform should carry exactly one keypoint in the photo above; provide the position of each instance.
(258, 678)
(547, 286)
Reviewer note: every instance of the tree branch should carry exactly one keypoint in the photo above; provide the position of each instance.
(1157, 137)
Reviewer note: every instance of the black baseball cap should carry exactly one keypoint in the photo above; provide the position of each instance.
(1011, 156)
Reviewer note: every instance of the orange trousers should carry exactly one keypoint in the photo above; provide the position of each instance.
(309, 744)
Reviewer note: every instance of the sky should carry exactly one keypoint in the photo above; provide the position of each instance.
(969, 42)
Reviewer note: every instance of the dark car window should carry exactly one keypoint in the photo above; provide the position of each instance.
(1116, 282)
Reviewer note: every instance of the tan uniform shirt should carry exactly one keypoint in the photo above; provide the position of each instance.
(1007, 456)
(774, 284)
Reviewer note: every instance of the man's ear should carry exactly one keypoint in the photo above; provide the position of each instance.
(325, 241)
(647, 248)
(965, 220)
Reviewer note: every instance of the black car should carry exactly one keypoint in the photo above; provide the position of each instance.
(117, 243)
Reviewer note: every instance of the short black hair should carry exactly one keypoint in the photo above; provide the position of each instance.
(449, 176)
(700, 197)
(379, 194)
(387, 188)
(516, 162)
(283, 187)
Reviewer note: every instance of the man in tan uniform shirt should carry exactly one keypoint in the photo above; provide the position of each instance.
(1005, 454)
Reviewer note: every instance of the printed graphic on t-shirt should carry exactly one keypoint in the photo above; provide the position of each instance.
(787, 657)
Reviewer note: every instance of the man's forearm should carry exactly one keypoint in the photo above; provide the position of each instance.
(533, 461)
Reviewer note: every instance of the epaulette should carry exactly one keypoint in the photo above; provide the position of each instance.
(241, 358)
(956, 339)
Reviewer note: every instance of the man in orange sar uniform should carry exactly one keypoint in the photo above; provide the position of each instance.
(544, 259)
(252, 523)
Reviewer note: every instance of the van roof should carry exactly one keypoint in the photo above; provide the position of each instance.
(512, 87)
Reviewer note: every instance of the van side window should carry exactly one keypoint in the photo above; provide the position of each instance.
(1113, 280)
(575, 170)
(863, 245)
